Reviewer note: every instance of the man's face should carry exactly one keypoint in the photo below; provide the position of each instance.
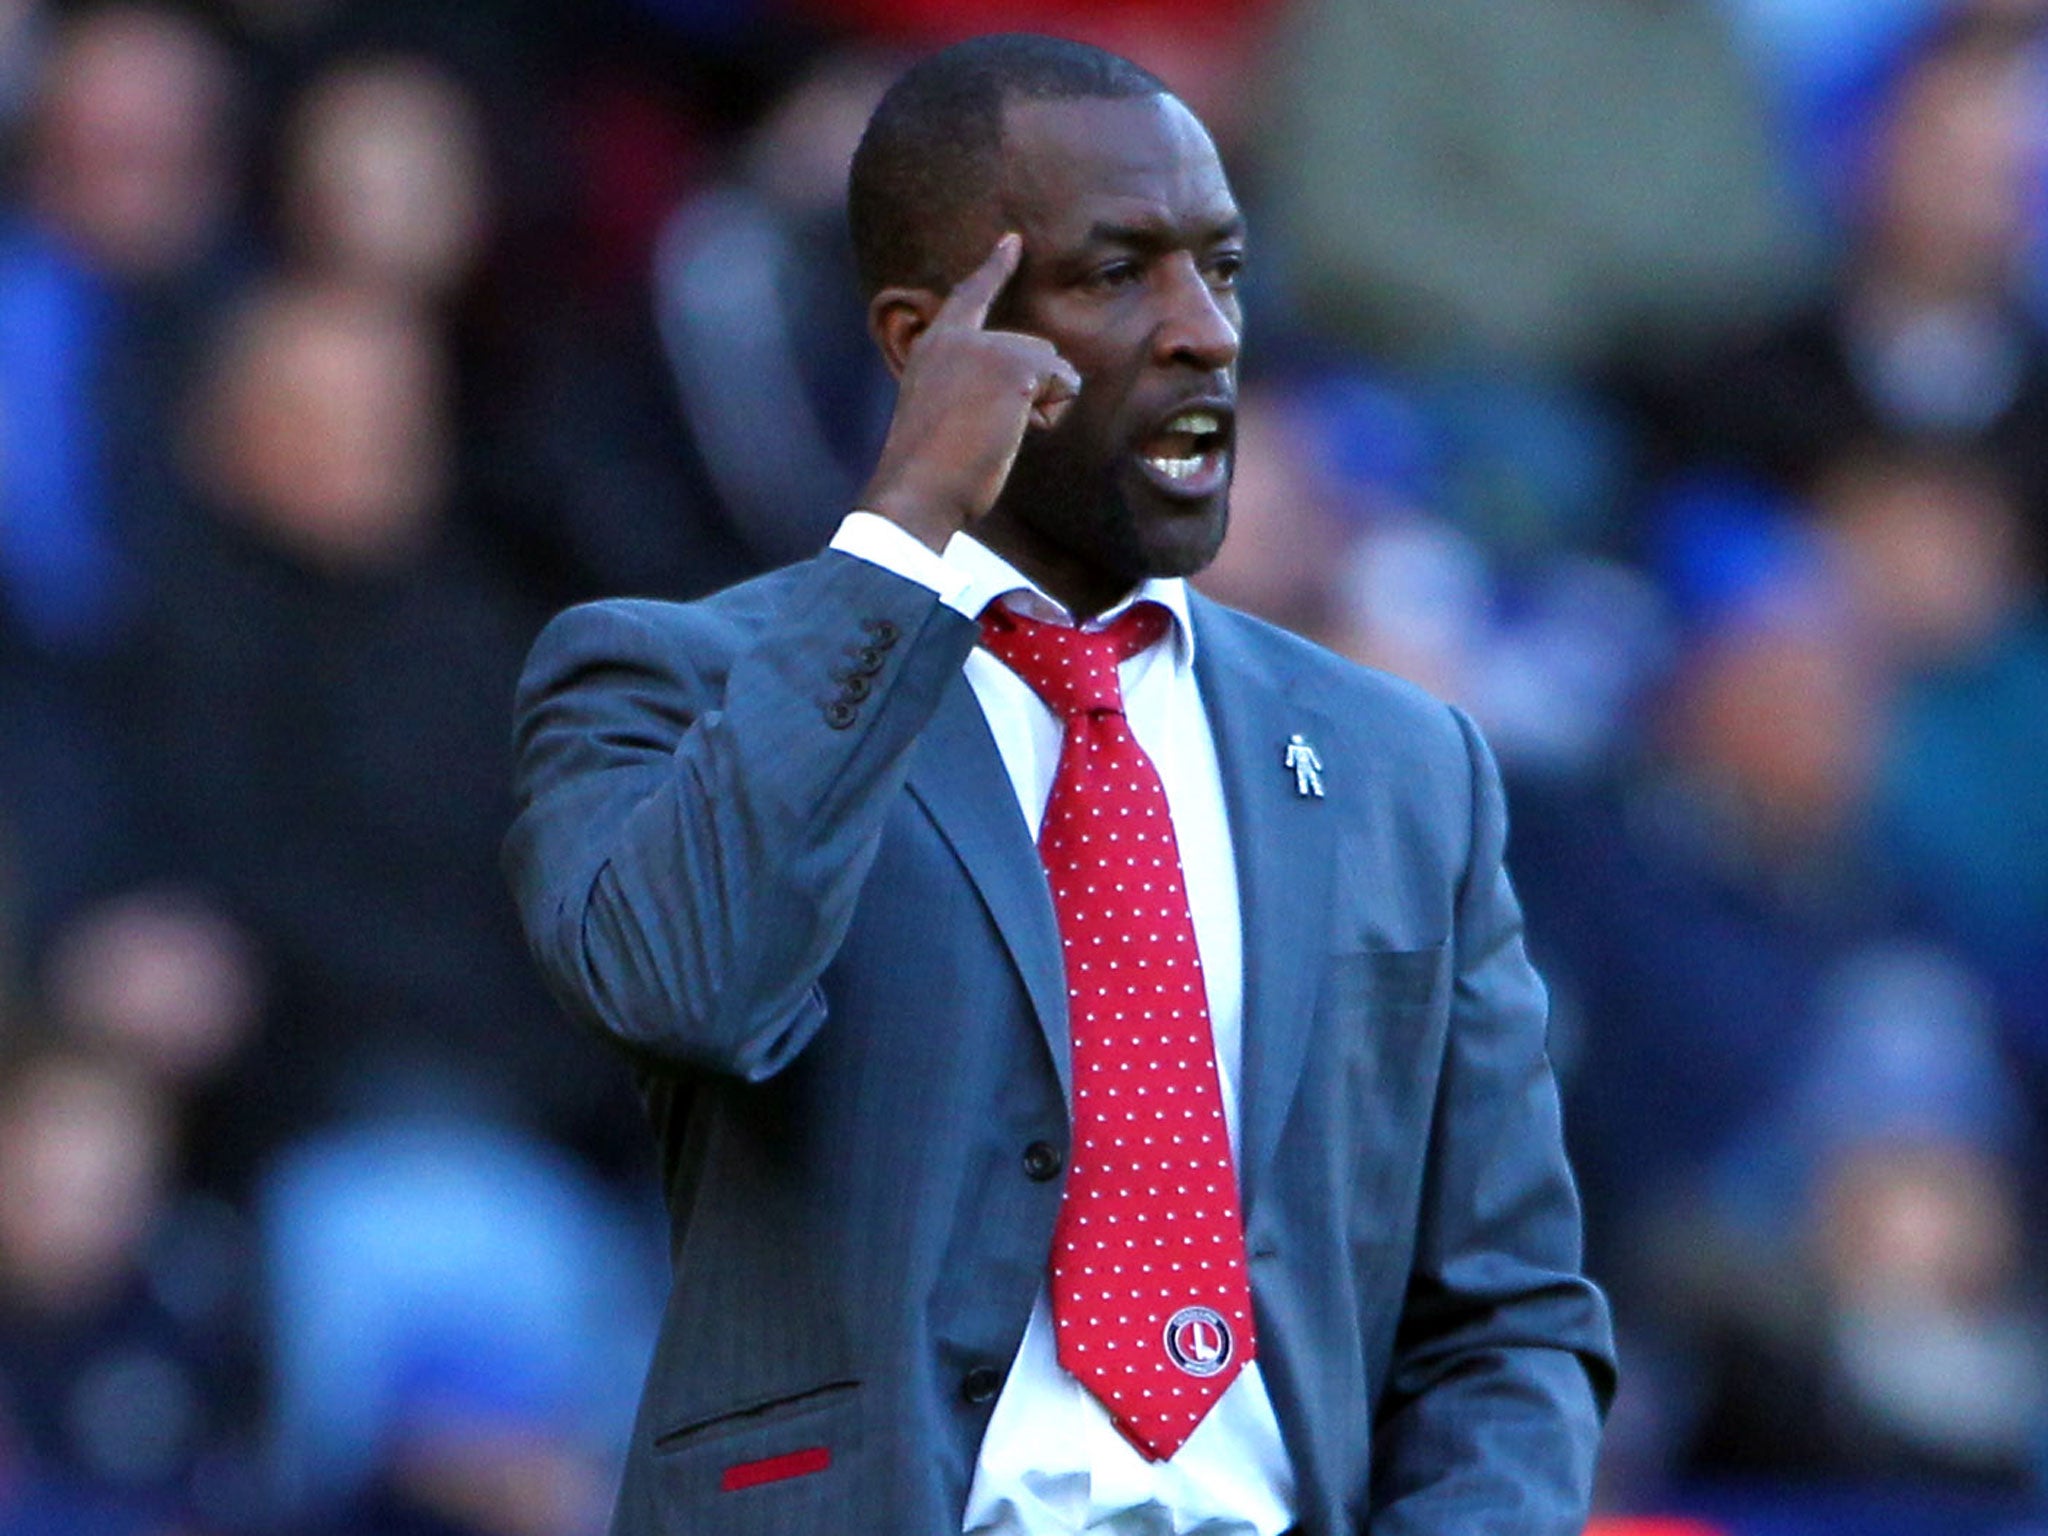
(1132, 245)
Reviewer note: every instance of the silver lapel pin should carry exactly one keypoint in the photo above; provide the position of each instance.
(1308, 768)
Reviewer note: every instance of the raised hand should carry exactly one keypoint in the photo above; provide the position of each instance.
(967, 396)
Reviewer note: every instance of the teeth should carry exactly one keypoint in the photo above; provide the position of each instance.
(1197, 428)
(1177, 469)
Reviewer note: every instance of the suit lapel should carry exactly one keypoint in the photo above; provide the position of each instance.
(1284, 846)
(959, 778)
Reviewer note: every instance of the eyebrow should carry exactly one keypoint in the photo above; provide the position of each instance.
(1145, 236)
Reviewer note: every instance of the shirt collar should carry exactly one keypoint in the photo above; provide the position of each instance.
(991, 578)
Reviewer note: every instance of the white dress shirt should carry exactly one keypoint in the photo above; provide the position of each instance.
(1052, 1463)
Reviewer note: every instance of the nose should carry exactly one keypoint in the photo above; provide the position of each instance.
(1200, 323)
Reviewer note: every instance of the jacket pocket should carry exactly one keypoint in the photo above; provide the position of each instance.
(784, 1464)
(1384, 986)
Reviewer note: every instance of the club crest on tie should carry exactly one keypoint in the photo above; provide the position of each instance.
(1198, 1340)
(1306, 766)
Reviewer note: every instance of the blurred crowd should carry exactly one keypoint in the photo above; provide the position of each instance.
(1665, 381)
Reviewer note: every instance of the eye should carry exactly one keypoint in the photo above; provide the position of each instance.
(1224, 268)
(1115, 274)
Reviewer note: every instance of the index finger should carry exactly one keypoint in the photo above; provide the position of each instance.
(967, 306)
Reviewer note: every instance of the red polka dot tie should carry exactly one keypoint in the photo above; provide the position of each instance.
(1151, 1304)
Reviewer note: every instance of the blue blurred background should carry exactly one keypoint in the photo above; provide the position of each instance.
(1665, 381)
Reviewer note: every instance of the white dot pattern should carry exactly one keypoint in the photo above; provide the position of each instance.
(1149, 1225)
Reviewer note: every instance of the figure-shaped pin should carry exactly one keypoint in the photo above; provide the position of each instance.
(1308, 768)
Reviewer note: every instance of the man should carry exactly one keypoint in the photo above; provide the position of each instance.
(1248, 1216)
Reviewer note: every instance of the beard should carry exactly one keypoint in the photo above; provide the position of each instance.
(1068, 494)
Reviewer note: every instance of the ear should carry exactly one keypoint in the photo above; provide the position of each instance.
(897, 317)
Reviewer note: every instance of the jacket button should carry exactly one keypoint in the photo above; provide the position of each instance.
(867, 661)
(856, 688)
(839, 714)
(883, 630)
(981, 1384)
(1042, 1162)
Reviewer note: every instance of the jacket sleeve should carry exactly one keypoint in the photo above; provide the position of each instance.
(701, 790)
(1503, 1364)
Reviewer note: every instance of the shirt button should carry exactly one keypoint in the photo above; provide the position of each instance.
(981, 1384)
(1042, 1162)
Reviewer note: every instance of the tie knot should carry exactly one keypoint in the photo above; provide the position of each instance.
(1073, 670)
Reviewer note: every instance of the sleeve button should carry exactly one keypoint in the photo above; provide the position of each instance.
(840, 713)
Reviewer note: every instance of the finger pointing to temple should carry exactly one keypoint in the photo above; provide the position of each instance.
(967, 306)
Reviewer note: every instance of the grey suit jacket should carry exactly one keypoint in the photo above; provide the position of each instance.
(766, 845)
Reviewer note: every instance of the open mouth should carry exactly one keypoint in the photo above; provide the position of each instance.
(1190, 454)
